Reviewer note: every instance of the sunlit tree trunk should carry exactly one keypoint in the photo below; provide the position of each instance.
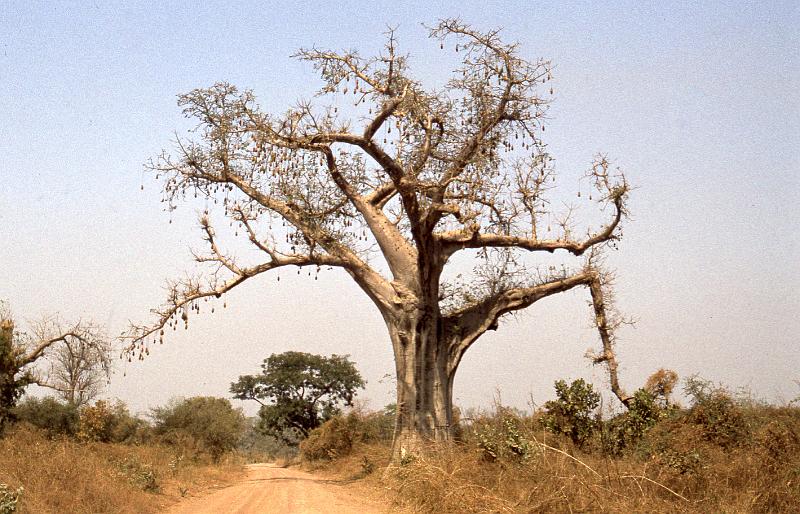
(424, 385)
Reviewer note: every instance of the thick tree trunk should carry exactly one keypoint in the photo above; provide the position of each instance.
(424, 386)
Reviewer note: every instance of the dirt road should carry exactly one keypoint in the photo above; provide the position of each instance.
(271, 489)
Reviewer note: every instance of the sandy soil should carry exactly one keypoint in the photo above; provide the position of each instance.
(268, 488)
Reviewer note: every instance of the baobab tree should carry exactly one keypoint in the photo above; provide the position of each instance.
(389, 190)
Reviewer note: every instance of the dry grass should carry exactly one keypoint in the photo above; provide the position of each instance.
(62, 475)
(677, 469)
(452, 480)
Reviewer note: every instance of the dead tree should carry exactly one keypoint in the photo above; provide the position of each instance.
(389, 192)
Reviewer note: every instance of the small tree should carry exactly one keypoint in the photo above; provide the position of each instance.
(12, 379)
(79, 369)
(299, 391)
(661, 384)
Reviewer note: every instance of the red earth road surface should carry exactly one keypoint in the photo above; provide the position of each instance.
(271, 489)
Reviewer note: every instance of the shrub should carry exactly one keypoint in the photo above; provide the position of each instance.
(49, 414)
(627, 430)
(332, 439)
(203, 423)
(779, 442)
(572, 414)
(718, 412)
(502, 439)
(127, 428)
(336, 437)
(110, 423)
(377, 426)
(141, 475)
(661, 384)
(96, 422)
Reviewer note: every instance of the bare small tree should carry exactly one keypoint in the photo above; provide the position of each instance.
(21, 353)
(78, 369)
(410, 178)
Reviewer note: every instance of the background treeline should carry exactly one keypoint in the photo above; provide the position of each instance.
(57, 457)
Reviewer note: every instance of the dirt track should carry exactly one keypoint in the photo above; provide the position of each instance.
(271, 489)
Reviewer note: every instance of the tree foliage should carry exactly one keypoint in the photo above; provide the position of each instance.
(299, 391)
(12, 379)
(49, 414)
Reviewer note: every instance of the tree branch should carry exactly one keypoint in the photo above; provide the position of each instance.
(469, 323)
(471, 237)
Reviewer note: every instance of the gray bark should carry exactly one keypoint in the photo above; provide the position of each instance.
(425, 372)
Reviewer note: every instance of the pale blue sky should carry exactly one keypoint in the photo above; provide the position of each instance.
(698, 102)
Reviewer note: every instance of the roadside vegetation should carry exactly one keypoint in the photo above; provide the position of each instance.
(59, 458)
(63, 455)
(724, 452)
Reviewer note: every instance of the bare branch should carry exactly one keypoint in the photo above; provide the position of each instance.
(471, 236)
(470, 322)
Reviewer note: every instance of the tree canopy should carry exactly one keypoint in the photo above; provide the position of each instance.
(299, 391)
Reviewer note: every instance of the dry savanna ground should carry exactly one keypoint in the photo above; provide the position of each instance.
(62, 475)
(723, 453)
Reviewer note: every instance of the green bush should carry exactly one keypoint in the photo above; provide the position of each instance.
(127, 428)
(13, 377)
(139, 474)
(49, 414)
(626, 430)
(502, 438)
(203, 424)
(573, 413)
